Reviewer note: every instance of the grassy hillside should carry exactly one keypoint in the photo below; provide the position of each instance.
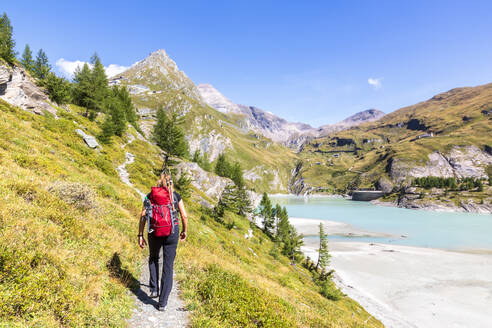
(68, 253)
(358, 157)
(157, 83)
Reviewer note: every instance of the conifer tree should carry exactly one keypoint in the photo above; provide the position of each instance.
(266, 211)
(323, 255)
(283, 225)
(126, 104)
(41, 65)
(82, 91)
(27, 60)
(117, 114)
(237, 175)
(58, 88)
(99, 83)
(107, 130)
(169, 136)
(223, 167)
(7, 42)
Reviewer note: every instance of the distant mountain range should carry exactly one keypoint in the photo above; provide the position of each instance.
(445, 136)
(275, 127)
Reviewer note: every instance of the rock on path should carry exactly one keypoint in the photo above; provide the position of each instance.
(146, 315)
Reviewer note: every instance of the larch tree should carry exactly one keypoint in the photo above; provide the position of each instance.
(7, 42)
(169, 135)
(27, 60)
(266, 211)
(323, 255)
(41, 65)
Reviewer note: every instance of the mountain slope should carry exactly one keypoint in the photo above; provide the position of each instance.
(157, 82)
(447, 135)
(68, 253)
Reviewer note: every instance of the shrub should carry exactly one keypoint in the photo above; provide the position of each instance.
(73, 193)
(330, 291)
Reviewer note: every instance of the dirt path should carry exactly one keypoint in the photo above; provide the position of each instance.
(145, 314)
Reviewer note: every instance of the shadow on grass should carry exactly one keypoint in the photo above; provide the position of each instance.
(127, 279)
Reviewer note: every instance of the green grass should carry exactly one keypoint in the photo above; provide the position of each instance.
(62, 207)
(68, 253)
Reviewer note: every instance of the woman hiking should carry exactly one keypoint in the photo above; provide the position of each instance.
(160, 209)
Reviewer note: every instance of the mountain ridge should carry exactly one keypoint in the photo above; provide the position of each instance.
(275, 127)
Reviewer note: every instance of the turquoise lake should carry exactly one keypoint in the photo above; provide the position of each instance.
(455, 231)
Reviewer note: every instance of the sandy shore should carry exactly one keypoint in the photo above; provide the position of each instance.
(414, 287)
(310, 227)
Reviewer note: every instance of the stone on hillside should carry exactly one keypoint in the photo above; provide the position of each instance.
(5, 74)
(89, 140)
(18, 89)
(385, 185)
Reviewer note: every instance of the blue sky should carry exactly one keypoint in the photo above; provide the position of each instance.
(308, 61)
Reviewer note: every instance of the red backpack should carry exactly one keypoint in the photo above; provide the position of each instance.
(162, 218)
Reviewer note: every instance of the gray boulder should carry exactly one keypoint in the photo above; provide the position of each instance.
(385, 185)
(89, 140)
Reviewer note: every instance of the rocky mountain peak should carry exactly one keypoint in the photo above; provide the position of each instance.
(217, 100)
(368, 115)
(160, 73)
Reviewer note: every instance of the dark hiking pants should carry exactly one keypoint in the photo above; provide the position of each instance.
(169, 245)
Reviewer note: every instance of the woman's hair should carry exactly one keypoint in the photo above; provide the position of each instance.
(164, 180)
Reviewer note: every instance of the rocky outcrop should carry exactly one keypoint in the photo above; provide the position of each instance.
(296, 183)
(18, 89)
(212, 185)
(209, 183)
(385, 185)
(5, 74)
(213, 143)
(461, 162)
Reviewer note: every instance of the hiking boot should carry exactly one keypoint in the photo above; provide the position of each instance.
(153, 294)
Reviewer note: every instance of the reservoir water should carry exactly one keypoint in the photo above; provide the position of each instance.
(454, 231)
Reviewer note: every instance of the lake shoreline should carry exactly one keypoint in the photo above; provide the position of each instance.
(428, 206)
(405, 286)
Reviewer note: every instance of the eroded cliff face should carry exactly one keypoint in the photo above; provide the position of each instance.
(296, 182)
(460, 162)
(211, 184)
(213, 144)
(18, 89)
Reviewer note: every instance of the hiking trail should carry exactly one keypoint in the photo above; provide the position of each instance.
(145, 314)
